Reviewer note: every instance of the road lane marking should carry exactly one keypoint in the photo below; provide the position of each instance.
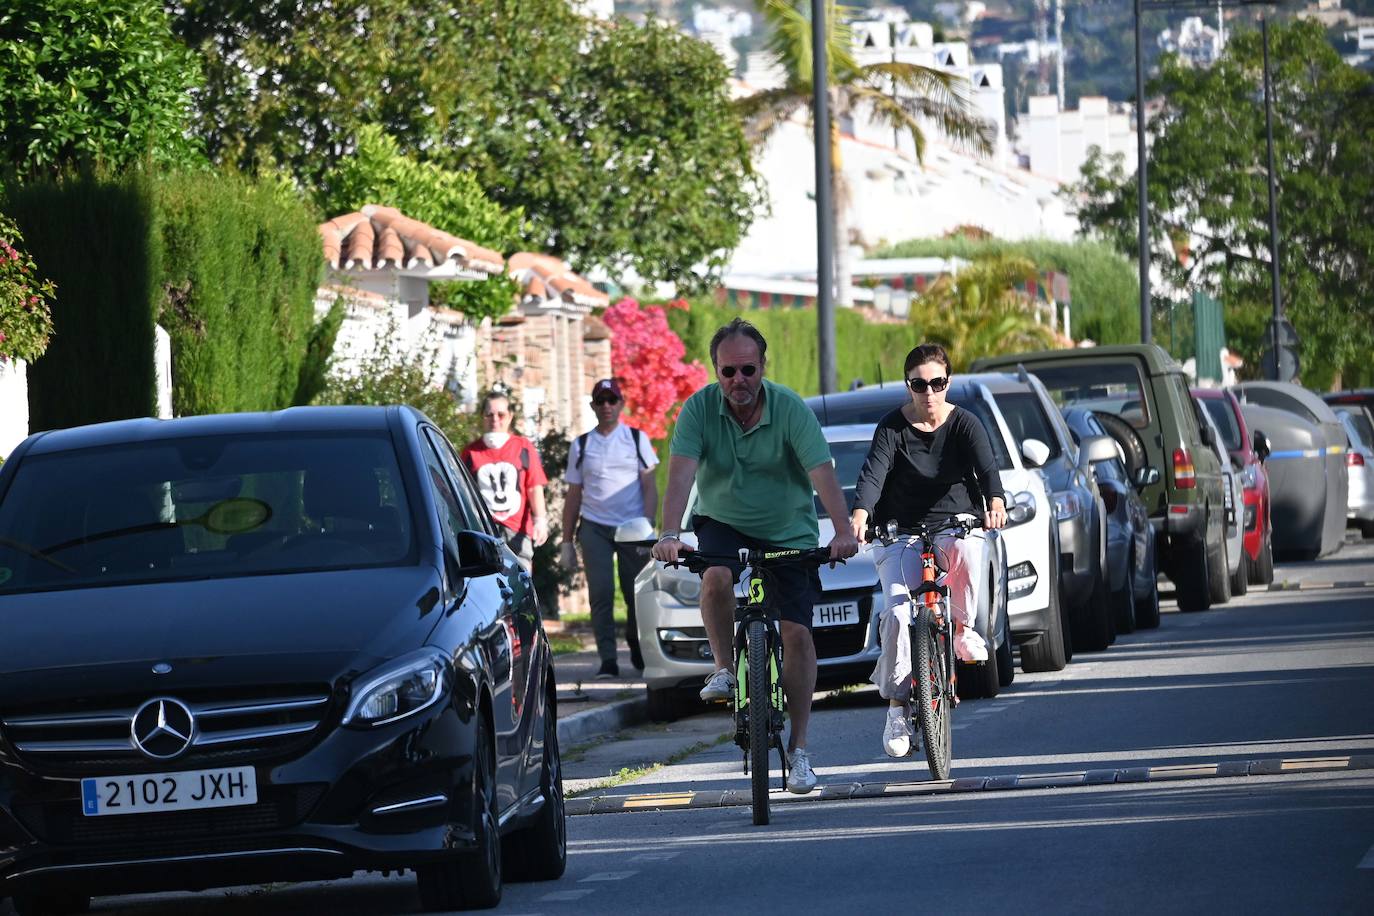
(609, 876)
(653, 857)
(567, 896)
(1318, 763)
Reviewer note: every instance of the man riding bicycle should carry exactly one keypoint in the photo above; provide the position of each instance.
(929, 461)
(756, 452)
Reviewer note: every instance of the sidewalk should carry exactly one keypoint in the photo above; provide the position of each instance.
(588, 707)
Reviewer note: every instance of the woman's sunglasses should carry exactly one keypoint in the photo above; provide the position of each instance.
(920, 385)
(747, 370)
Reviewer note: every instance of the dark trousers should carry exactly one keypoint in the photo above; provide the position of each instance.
(599, 554)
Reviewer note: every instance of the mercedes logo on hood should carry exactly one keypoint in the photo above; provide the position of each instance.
(163, 728)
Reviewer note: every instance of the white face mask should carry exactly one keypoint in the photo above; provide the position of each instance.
(494, 439)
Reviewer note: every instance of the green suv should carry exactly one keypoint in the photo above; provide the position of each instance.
(1166, 447)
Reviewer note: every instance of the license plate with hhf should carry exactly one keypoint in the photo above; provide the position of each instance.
(835, 614)
(152, 792)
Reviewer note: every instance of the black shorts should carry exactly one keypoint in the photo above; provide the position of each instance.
(796, 587)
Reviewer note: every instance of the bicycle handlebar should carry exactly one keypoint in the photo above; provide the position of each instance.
(698, 562)
(959, 527)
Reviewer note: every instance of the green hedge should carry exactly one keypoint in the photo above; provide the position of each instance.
(1104, 286)
(95, 241)
(863, 349)
(227, 266)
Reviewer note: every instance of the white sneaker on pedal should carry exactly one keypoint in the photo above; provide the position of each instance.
(800, 778)
(969, 646)
(897, 734)
(719, 686)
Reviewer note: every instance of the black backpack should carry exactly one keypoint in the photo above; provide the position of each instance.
(582, 449)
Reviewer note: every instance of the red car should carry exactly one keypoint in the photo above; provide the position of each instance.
(1247, 454)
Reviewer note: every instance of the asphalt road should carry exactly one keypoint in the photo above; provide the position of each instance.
(1282, 675)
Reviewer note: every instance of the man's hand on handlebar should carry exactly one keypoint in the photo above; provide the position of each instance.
(669, 550)
(996, 516)
(843, 545)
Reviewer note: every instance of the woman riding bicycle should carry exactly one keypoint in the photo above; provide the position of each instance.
(929, 460)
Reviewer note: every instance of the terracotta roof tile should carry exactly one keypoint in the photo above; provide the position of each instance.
(378, 238)
(543, 276)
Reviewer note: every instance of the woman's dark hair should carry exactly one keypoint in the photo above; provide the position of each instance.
(739, 326)
(926, 353)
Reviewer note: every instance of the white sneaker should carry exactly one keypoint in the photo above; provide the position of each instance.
(719, 686)
(897, 734)
(969, 646)
(800, 778)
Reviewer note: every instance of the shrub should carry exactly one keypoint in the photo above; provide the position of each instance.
(25, 316)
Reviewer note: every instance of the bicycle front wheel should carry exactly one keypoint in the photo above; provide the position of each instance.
(760, 717)
(930, 672)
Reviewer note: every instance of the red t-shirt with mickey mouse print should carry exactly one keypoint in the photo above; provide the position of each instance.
(504, 481)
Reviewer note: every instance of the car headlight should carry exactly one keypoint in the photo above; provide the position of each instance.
(398, 689)
(681, 584)
(1066, 504)
(1249, 477)
(1022, 508)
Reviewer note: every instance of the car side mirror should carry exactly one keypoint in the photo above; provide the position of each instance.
(1095, 449)
(1261, 445)
(1035, 452)
(478, 555)
(1207, 438)
(1145, 477)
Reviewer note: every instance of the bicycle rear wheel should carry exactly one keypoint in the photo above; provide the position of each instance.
(756, 639)
(930, 672)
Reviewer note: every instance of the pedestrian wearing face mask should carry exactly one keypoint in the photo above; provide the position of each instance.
(610, 480)
(511, 479)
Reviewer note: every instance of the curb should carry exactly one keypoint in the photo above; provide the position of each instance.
(601, 720)
(730, 798)
(1316, 586)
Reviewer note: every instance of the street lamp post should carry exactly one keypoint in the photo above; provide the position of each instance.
(825, 247)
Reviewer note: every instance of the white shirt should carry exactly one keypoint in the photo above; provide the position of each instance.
(609, 475)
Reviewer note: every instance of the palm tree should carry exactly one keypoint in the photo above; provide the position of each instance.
(900, 95)
(980, 311)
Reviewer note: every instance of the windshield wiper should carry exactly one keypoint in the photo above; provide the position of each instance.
(36, 554)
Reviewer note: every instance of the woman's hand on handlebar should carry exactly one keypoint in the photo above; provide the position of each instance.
(669, 550)
(858, 525)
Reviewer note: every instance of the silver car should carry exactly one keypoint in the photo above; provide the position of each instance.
(1359, 465)
(672, 638)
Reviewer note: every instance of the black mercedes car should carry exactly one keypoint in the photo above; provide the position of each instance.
(266, 647)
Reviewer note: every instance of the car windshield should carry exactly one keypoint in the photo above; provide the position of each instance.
(1225, 419)
(1358, 422)
(1026, 418)
(1109, 387)
(205, 507)
(849, 460)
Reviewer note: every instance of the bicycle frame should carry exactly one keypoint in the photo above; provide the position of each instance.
(751, 606)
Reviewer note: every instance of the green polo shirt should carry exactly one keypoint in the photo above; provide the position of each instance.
(757, 481)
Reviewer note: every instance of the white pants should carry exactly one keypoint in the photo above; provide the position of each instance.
(899, 564)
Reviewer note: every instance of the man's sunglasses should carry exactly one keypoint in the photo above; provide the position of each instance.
(601, 402)
(747, 370)
(920, 385)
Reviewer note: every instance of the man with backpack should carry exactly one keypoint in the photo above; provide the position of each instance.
(510, 478)
(610, 480)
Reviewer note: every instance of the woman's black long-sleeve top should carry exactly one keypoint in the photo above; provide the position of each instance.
(920, 477)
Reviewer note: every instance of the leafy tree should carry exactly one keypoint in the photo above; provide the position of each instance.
(614, 140)
(92, 81)
(647, 358)
(377, 172)
(900, 95)
(25, 318)
(1208, 188)
(981, 312)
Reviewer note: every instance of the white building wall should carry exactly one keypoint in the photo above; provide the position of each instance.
(1041, 132)
(14, 405)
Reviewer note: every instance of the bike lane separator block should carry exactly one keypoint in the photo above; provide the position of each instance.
(1361, 762)
(659, 800)
(1050, 782)
(1265, 767)
(969, 784)
(714, 799)
(1314, 763)
(1133, 774)
(1233, 768)
(1002, 782)
(1099, 777)
(838, 791)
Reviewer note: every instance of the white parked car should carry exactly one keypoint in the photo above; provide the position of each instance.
(677, 657)
(1359, 464)
(1233, 490)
